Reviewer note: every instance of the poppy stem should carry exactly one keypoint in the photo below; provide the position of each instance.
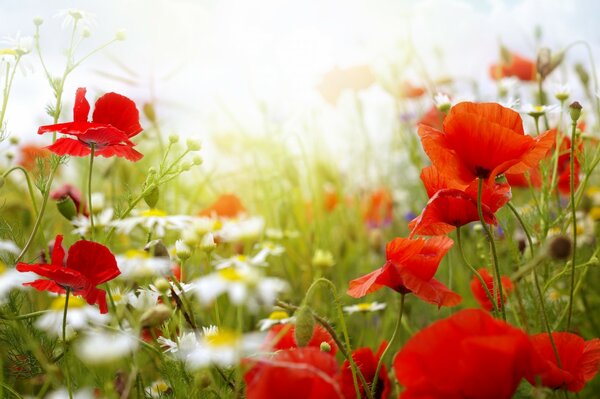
(498, 289)
(65, 344)
(92, 150)
(475, 272)
(385, 351)
(574, 220)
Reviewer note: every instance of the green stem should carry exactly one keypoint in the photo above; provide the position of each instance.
(385, 351)
(498, 289)
(475, 272)
(29, 185)
(573, 216)
(65, 344)
(92, 151)
(529, 239)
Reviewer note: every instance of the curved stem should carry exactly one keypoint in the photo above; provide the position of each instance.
(475, 272)
(498, 289)
(385, 351)
(29, 185)
(574, 220)
(92, 150)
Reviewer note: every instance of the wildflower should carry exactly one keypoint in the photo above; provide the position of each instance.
(410, 267)
(354, 78)
(469, 354)
(73, 16)
(83, 225)
(158, 389)
(283, 336)
(242, 285)
(366, 361)
(32, 155)
(102, 347)
(323, 259)
(564, 166)
(226, 206)
(482, 140)
(88, 265)
(442, 102)
(303, 373)
(268, 248)
(515, 65)
(480, 294)
(10, 278)
(182, 251)
(20, 45)
(115, 120)
(239, 262)
(579, 359)
(9, 246)
(136, 264)
(453, 205)
(80, 316)
(537, 111)
(240, 230)
(276, 317)
(379, 208)
(364, 307)
(562, 92)
(153, 220)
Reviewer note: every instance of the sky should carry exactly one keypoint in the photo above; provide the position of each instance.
(218, 65)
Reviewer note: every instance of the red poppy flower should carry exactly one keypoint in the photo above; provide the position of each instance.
(479, 292)
(517, 66)
(534, 178)
(282, 336)
(379, 208)
(410, 267)
(482, 141)
(88, 265)
(226, 206)
(433, 118)
(29, 155)
(580, 360)
(302, 373)
(115, 120)
(453, 205)
(366, 361)
(467, 355)
(67, 190)
(408, 90)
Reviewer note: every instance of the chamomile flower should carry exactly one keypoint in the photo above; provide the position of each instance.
(278, 234)
(364, 307)
(536, 111)
(184, 286)
(101, 221)
(442, 102)
(153, 220)
(213, 347)
(63, 393)
(18, 44)
(145, 299)
(158, 389)
(562, 92)
(276, 317)
(135, 264)
(243, 286)
(74, 16)
(9, 246)
(240, 229)
(239, 261)
(79, 317)
(12, 279)
(103, 347)
(266, 249)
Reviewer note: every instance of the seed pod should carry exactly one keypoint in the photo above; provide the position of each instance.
(559, 247)
(66, 207)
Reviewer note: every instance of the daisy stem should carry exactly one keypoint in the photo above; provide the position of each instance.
(498, 289)
(64, 339)
(385, 351)
(475, 272)
(92, 150)
(574, 220)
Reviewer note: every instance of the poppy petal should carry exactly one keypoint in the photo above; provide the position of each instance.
(118, 111)
(93, 260)
(81, 108)
(58, 252)
(66, 146)
(121, 151)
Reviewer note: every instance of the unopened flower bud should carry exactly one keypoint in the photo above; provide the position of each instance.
(120, 35)
(325, 347)
(148, 109)
(66, 207)
(152, 197)
(156, 315)
(185, 166)
(162, 285)
(37, 21)
(575, 110)
(559, 247)
(14, 140)
(323, 259)
(208, 242)
(86, 33)
(182, 251)
(193, 145)
(157, 249)
(305, 325)
(173, 138)
(197, 160)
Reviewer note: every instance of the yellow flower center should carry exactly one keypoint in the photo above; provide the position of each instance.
(154, 213)
(8, 51)
(365, 306)
(278, 315)
(230, 274)
(223, 338)
(136, 253)
(2, 267)
(160, 387)
(74, 302)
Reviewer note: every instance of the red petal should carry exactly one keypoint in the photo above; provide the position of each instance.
(46, 285)
(74, 128)
(95, 296)
(431, 291)
(81, 108)
(366, 284)
(282, 336)
(121, 151)
(66, 146)
(103, 136)
(63, 276)
(58, 252)
(118, 111)
(366, 361)
(543, 144)
(93, 260)
(425, 263)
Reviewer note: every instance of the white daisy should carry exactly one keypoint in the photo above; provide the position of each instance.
(135, 264)
(241, 229)
(9, 246)
(103, 347)
(538, 110)
(101, 222)
(72, 15)
(153, 220)
(158, 389)
(276, 317)
(11, 279)
(239, 261)
(80, 316)
(364, 307)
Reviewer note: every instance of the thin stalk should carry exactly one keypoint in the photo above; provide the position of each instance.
(498, 289)
(92, 150)
(65, 344)
(29, 185)
(385, 351)
(574, 221)
(475, 272)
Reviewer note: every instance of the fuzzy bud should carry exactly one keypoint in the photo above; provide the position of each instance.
(575, 110)
(182, 251)
(185, 166)
(559, 247)
(193, 145)
(152, 197)
(162, 285)
(197, 160)
(305, 325)
(38, 21)
(325, 347)
(156, 315)
(323, 259)
(120, 35)
(173, 138)
(67, 207)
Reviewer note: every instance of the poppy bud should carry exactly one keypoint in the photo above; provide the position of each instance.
(305, 325)
(575, 110)
(66, 207)
(559, 247)
(152, 197)
(149, 112)
(156, 315)
(325, 347)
